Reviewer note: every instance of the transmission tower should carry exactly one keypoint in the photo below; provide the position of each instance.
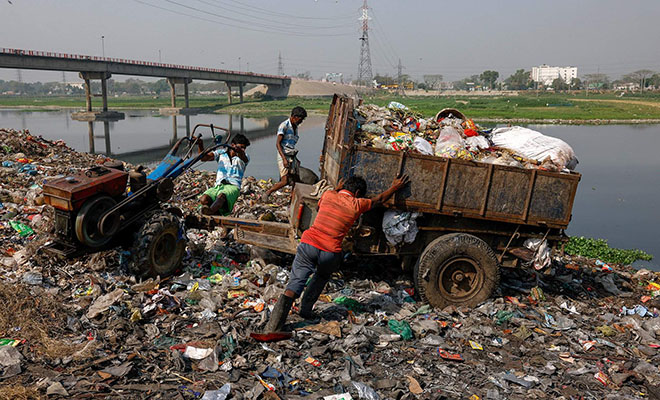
(399, 77)
(365, 76)
(280, 65)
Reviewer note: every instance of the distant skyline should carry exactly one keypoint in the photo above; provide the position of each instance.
(455, 39)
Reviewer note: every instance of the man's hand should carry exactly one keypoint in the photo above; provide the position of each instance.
(400, 182)
(397, 184)
(285, 162)
(340, 184)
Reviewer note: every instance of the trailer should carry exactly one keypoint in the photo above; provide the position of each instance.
(475, 216)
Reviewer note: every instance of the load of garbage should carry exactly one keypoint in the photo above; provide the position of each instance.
(86, 328)
(452, 135)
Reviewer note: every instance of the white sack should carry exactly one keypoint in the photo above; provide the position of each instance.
(535, 145)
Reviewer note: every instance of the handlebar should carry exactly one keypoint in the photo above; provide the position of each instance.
(213, 127)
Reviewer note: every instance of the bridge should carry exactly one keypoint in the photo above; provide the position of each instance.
(102, 68)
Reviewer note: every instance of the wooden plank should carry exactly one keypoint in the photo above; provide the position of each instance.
(532, 181)
(441, 194)
(273, 242)
(489, 178)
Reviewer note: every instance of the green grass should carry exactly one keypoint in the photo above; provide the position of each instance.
(525, 107)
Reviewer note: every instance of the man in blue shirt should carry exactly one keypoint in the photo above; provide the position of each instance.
(220, 199)
(287, 162)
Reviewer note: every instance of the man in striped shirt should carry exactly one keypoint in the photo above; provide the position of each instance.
(319, 251)
(287, 162)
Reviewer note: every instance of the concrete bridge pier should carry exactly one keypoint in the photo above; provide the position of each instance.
(173, 109)
(89, 114)
(240, 85)
(278, 91)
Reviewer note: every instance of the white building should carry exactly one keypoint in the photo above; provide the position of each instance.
(545, 74)
(336, 77)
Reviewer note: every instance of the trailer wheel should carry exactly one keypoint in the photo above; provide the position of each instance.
(456, 269)
(159, 245)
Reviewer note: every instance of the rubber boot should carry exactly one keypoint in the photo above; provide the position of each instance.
(312, 293)
(279, 314)
(215, 207)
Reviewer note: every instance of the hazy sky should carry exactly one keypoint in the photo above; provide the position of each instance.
(452, 38)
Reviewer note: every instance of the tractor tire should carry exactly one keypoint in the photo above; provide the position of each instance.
(158, 246)
(456, 269)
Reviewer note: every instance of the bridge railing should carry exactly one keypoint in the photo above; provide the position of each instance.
(66, 56)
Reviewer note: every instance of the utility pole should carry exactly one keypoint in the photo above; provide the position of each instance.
(19, 75)
(239, 64)
(280, 65)
(399, 77)
(103, 45)
(160, 60)
(365, 75)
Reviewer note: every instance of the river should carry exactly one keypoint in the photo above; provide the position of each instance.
(618, 198)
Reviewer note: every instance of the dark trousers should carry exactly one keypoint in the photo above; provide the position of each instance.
(310, 260)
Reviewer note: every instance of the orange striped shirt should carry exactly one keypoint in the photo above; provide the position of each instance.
(338, 211)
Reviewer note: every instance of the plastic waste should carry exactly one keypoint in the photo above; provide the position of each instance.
(400, 226)
(401, 328)
(22, 229)
(220, 394)
(397, 106)
(542, 252)
(423, 146)
(449, 143)
(364, 391)
(342, 396)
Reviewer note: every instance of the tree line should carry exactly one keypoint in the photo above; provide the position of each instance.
(522, 80)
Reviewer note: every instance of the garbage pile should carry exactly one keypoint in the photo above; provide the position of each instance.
(452, 135)
(574, 328)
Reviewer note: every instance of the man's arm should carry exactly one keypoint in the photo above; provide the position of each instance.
(278, 144)
(209, 156)
(397, 184)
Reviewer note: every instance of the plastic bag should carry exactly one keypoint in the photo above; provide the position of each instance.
(395, 105)
(423, 146)
(400, 226)
(535, 145)
(449, 143)
(400, 327)
(220, 394)
(477, 143)
(22, 229)
(365, 392)
(373, 128)
(542, 252)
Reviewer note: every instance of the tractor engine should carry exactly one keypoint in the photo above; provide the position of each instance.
(80, 200)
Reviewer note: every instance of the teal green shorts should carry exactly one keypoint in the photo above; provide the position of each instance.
(231, 193)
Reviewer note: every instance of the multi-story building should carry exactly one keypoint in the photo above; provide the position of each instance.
(545, 74)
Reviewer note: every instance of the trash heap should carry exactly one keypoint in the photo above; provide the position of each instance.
(575, 328)
(452, 135)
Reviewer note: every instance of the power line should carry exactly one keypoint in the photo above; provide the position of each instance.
(301, 34)
(270, 19)
(275, 13)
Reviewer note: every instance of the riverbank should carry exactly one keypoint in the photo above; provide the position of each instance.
(544, 108)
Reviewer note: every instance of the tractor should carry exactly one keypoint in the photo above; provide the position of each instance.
(104, 205)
